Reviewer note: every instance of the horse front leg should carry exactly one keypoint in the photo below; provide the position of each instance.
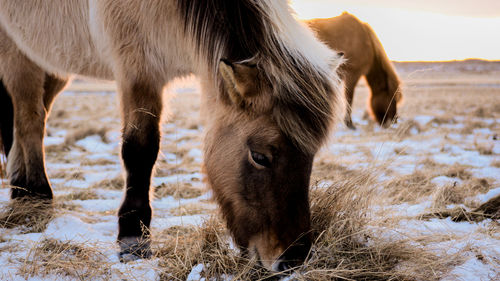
(350, 84)
(142, 106)
(24, 81)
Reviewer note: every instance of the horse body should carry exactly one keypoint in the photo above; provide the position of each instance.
(365, 56)
(272, 100)
(90, 29)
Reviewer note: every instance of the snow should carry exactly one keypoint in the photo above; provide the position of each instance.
(472, 270)
(72, 229)
(95, 144)
(195, 274)
(443, 181)
(423, 120)
(196, 154)
(368, 149)
(491, 194)
(472, 158)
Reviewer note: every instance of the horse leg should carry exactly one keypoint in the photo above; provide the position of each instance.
(25, 163)
(6, 120)
(350, 84)
(142, 105)
(52, 86)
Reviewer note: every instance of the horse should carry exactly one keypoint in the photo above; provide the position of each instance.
(270, 87)
(365, 56)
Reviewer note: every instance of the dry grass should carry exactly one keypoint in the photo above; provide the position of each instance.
(97, 162)
(449, 194)
(68, 175)
(83, 133)
(458, 171)
(488, 210)
(410, 188)
(115, 183)
(32, 215)
(405, 129)
(190, 209)
(484, 148)
(344, 248)
(81, 195)
(51, 257)
(184, 191)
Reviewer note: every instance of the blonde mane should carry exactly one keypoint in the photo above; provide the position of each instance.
(306, 96)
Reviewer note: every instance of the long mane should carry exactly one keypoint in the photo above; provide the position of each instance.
(301, 70)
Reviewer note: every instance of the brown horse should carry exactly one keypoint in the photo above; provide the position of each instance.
(270, 87)
(365, 56)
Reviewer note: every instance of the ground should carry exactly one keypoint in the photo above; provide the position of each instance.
(443, 153)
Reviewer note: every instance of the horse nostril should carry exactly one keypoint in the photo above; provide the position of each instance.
(284, 266)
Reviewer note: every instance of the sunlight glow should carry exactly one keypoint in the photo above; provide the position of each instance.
(417, 35)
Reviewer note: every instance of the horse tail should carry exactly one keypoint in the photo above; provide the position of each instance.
(384, 64)
(6, 120)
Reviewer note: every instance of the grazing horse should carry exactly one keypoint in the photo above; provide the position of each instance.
(365, 56)
(270, 88)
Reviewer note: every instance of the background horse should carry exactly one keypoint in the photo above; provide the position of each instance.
(365, 56)
(270, 87)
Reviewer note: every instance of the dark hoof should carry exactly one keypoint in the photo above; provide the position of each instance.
(350, 125)
(39, 193)
(133, 248)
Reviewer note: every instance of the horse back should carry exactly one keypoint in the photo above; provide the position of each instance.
(54, 34)
(346, 33)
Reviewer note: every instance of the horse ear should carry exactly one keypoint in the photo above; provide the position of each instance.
(240, 80)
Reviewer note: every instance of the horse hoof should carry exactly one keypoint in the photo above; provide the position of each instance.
(351, 126)
(41, 193)
(133, 248)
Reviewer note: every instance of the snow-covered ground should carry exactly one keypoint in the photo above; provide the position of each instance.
(445, 146)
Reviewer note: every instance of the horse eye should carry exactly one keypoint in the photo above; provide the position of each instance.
(259, 160)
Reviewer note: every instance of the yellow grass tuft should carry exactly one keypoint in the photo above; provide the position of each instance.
(32, 215)
(81, 195)
(85, 132)
(51, 257)
(344, 247)
(115, 183)
(409, 188)
(184, 191)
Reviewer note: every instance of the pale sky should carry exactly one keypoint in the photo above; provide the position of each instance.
(412, 30)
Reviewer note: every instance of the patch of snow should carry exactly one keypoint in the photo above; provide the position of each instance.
(403, 169)
(483, 131)
(472, 158)
(496, 148)
(99, 205)
(95, 144)
(423, 120)
(77, 184)
(195, 274)
(53, 140)
(163, 223)
(95, 177)
(442, 181)
(489, 195)
(434, 226)
(71, 228)
(196, 154)
(472, 270)
(487, 172)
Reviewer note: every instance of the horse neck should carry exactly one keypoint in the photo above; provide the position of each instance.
(381, 77)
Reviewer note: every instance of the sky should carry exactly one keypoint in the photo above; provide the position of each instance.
(421, 30)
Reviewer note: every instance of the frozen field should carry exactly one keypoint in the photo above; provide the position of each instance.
(443, 154)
